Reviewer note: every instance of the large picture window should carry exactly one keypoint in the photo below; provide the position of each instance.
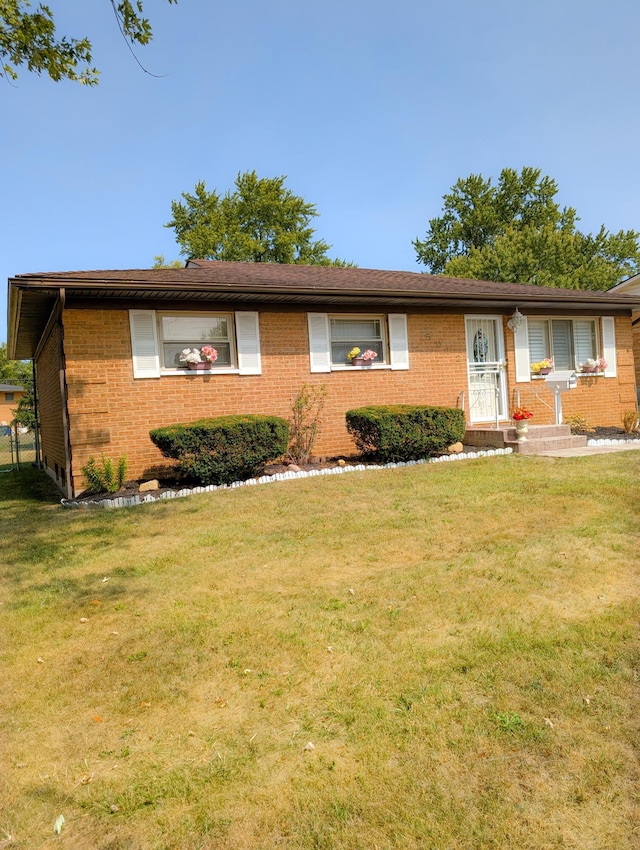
(159, 339)
(178, 332)
(568, 342)
(363, 332)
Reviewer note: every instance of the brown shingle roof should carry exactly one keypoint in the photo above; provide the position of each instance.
(299, 278)
(33, 296)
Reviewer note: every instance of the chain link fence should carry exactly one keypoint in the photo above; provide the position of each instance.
(17, 447)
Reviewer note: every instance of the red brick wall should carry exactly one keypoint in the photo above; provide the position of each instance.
(50, 412)
(636, 346)
(602, 401)
(111, 412)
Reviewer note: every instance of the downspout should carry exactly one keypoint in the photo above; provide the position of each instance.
(36, 420)
(65, 401)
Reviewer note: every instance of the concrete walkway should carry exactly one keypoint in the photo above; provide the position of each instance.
(583, 451)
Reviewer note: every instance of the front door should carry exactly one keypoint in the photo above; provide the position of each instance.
(486, 369)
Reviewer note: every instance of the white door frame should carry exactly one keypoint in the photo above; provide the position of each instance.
(488, 399)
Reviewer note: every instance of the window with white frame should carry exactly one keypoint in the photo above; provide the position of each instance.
(368, 333)
(568, 342)
(178, 332)
(158, 339)
(332, 336)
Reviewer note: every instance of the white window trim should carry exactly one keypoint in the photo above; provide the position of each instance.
(146, 345)
(394, 339)
(167, 371)
(602, 347)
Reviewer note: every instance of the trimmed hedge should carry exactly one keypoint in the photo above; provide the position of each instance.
(389, 433)
(224, 449)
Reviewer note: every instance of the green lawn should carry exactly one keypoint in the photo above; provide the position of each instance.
(441, 657)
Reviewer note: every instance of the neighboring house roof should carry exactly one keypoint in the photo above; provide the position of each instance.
(10, 388)
(32, 297)
(630, 285)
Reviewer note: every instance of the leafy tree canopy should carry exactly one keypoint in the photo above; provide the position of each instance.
(29, 37)
(260, 221)
(159, 262)
(515, 231)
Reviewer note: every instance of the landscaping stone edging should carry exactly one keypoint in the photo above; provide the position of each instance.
(127, 502)
(611, 442)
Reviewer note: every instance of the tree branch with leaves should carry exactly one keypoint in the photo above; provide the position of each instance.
(28, 37)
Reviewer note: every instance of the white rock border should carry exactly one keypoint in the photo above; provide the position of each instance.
(122, 502)
(612, 442)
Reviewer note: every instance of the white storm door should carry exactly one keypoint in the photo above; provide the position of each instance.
(486, 369)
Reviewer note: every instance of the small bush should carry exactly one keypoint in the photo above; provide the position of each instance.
(105, 477)
(630, 421)
(403, 431)
(223, 449)
(578, 424)
(305, 421)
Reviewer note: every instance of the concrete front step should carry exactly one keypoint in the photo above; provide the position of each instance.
(540, 438)
(545, 444)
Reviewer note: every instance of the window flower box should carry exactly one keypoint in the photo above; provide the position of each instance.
(543, 367)
(199, 359)
(593, 367)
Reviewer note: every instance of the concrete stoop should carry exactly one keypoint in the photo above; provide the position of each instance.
(541, 438)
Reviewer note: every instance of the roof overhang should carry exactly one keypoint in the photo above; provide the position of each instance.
(630, 286)
(32, 298)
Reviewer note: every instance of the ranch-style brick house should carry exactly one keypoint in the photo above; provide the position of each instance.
(107, 347)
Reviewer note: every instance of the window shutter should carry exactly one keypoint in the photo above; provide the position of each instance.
(609, 346)
(319, 345)
(248, 340)
(398, 341)
(144, 344)
(521, 345)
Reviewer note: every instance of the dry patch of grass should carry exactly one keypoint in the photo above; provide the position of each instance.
(458, 643)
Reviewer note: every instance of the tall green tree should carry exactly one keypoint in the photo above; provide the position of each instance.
(260, 221)
(516, 231)
(28, 37)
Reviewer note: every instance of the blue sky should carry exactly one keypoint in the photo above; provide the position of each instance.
(372, 110)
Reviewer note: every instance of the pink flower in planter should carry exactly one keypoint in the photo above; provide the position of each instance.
(369, 355)
(209, 354)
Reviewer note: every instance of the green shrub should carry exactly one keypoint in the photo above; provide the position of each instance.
(578, 424)
(404, 431)
(105, 477)
(223, 449)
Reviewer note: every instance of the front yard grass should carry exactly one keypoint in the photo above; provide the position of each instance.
(443, 656)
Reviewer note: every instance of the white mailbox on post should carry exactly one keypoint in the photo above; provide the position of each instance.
(558, 383)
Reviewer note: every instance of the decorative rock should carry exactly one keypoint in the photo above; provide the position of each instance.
(455, 449)
(342, 462)
(293, 468)
(146, 486)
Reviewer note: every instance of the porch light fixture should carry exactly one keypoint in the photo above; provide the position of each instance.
(516, 321)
